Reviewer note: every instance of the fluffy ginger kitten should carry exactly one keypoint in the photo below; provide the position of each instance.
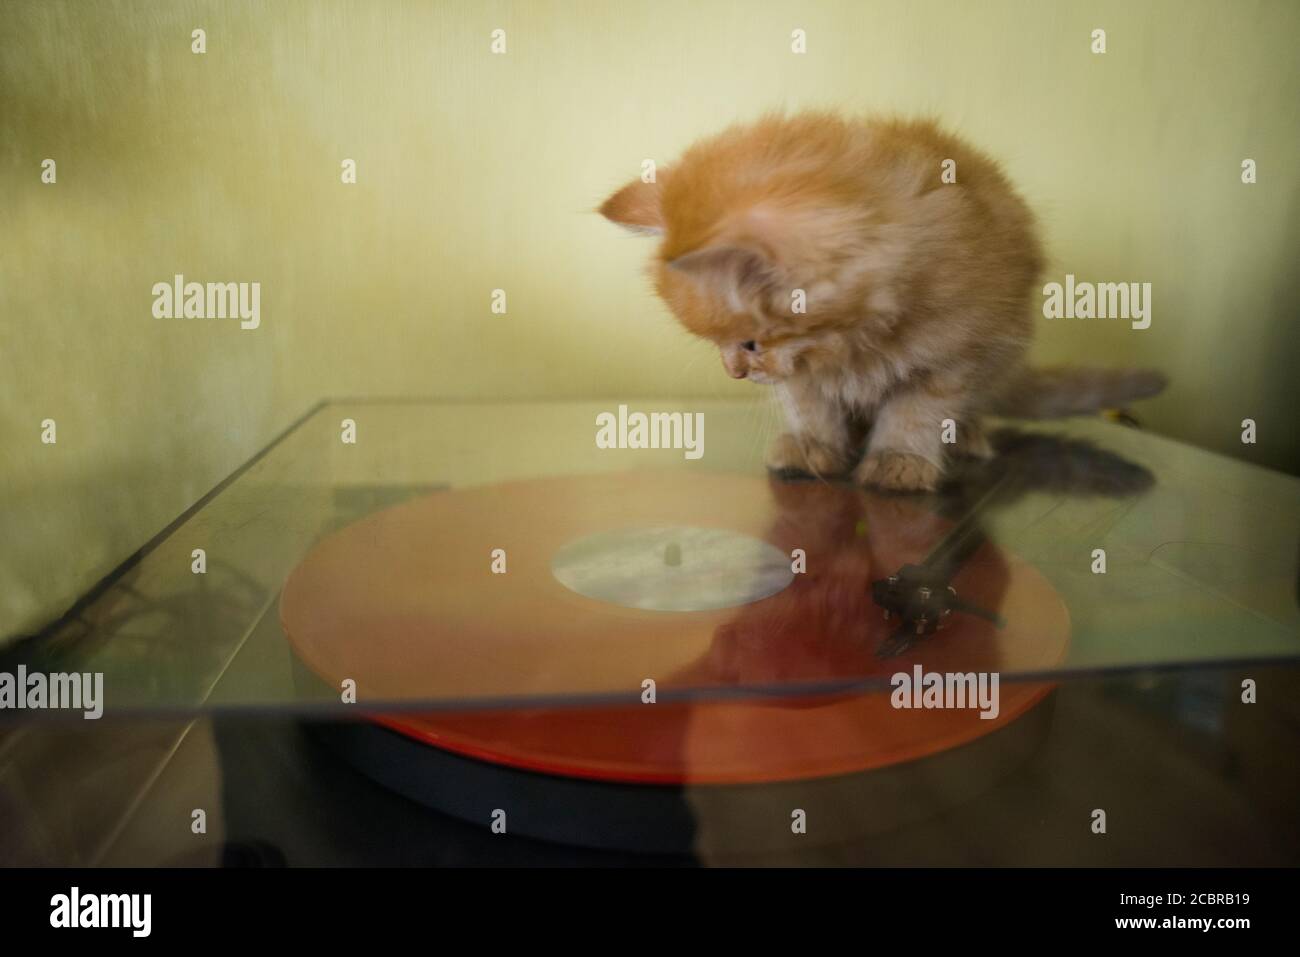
(828, 258)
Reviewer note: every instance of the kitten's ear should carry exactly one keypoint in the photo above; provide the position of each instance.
(636, 207)
(734, 271)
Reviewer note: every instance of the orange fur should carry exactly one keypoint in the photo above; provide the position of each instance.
(917, 295)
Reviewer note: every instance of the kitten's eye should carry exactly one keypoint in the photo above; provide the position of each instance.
(749, 345)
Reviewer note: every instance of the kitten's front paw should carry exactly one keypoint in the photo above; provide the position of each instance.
(897, 472)
(791, 454)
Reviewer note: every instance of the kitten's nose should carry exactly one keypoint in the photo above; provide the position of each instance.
(735, 365)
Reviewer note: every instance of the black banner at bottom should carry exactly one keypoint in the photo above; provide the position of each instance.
(212, 906)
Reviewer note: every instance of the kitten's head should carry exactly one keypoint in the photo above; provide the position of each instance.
(758, 230)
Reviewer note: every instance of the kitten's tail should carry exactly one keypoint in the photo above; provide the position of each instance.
(1059, 392)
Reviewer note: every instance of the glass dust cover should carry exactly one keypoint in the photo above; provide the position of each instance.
(475, 555)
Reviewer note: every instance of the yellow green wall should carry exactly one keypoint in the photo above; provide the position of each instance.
(478, 172)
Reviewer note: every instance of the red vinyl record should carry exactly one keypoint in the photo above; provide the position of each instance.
(746, 601)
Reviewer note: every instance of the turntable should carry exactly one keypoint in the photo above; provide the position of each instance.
(485, 612)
